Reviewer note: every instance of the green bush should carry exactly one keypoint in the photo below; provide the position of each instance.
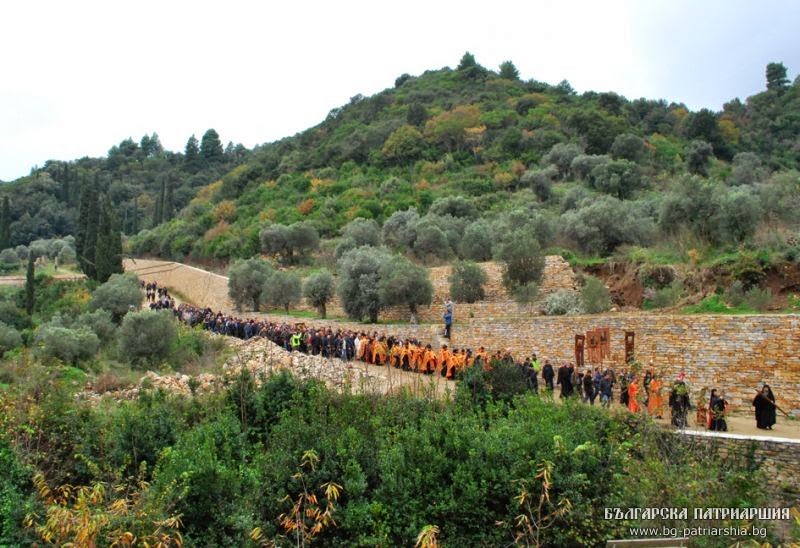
(16, 497)
(666, 296)
(119, 295)
(9, 260)
(146, 336)
(563, 301)
(735, 293)
(466, 282)
(100, 322)
(758, 299)
(9, 338)
(595, 296)
(11, 314)
(68, 345)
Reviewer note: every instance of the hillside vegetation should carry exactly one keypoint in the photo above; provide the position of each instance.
(466, 163)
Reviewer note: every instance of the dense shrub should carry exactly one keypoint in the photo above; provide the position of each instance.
(9, 338)
(664, 297)
(466, 282)
(563, 301)
(68, 345)
(595, 296)
(758, 298)
(9, 260)
(455, 206)
(12, 315)
(120, 294)
(561, 156)
(146, 336)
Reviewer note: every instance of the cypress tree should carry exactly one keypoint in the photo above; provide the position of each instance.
(30, 287)
(167, 209)
(5, 224)
(135, 220)
(158, 212)
(83, 223)
(91, 232)
(108, 254)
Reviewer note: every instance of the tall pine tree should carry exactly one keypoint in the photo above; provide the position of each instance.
(5, 224)
(108, 252)
(191, 155)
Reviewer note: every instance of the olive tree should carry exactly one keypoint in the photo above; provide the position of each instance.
(147, 336)
(400, 229)
(118, 295)
(466, 282)
(522, 258)
(404, 283)
(478, 240)
(246, 281)
(362, 232)
(359, 279)
(319, 290)
(65, 344)
(281, 289)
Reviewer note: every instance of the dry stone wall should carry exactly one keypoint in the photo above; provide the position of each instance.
(778, 457)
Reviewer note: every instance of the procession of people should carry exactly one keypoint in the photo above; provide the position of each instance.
(639, 393)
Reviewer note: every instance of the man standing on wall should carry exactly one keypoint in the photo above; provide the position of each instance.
(448, 318)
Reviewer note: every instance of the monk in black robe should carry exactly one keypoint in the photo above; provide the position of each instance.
(716, 410)
(564, 379)
(764, 402)
(679, 404)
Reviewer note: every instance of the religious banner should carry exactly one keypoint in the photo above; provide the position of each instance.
(629, 351)
(580, 341)
(598, 344)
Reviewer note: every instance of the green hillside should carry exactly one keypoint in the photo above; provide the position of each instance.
(478, 155)
(588, 173)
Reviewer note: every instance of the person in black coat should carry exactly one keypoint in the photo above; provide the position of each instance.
(565, 381)
(764, 402)
(548, 374)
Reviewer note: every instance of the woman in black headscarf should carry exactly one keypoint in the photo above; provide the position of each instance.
(764, 402)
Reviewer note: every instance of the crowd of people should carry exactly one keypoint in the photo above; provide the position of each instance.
(157, 297)
(640, 393)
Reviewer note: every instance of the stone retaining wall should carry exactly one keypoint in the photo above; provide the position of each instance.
(778, 457)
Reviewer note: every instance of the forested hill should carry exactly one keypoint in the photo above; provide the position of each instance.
(587, 172)
(145, 183)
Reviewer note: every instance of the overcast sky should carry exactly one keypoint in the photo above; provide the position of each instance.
(80, 76)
